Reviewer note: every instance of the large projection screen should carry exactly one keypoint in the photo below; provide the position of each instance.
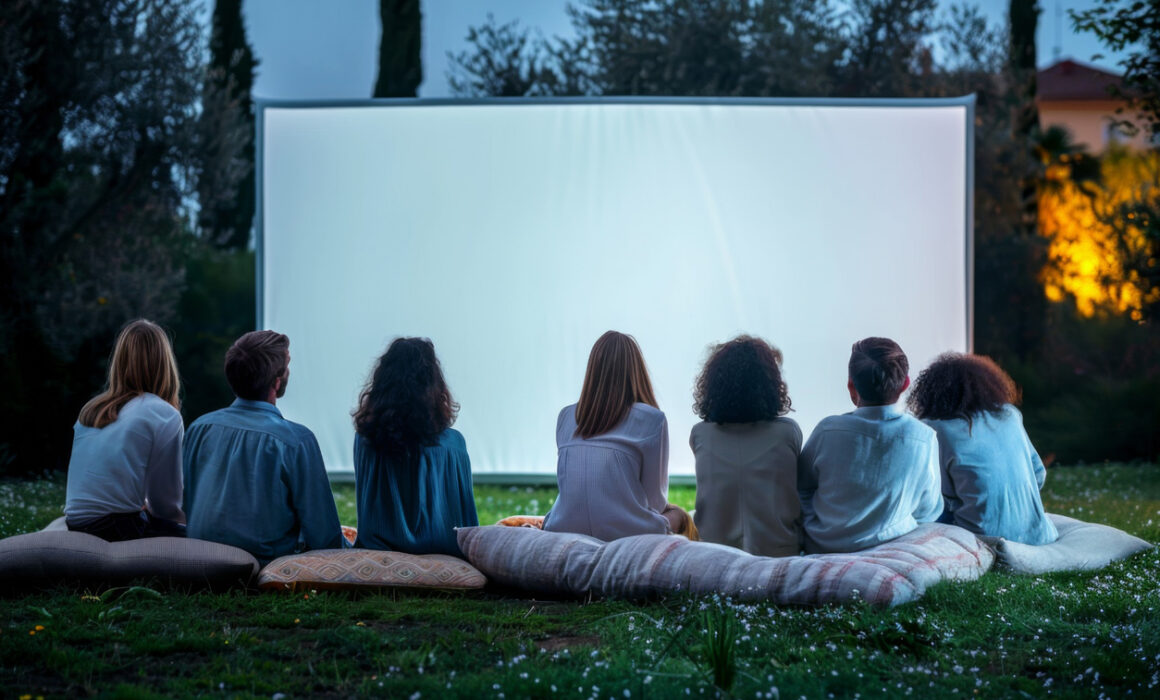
(514, 233)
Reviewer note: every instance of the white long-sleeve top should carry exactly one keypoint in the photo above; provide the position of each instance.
(132, 463)
(616, 484)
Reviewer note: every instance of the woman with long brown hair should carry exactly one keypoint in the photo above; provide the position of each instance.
(613, 451)
(124, 475)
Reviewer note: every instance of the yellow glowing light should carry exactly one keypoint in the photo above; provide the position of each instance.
(1084, 260)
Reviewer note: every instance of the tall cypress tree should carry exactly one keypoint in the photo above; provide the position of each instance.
(1024, 17)
(400, 62)
(226, 185)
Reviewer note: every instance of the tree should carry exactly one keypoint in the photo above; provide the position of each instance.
(888, 54)
(97, 156)
(1135, 27)
(400, 60)
(668, 47)
(226, 177)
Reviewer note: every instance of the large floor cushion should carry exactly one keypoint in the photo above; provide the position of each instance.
(1081, 547)
(649, 565)
(61, 556)
(367, 568)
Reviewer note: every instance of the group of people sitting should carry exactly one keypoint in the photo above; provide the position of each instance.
(247, 477)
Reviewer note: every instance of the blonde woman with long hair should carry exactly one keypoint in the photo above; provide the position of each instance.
(613, 452)
(124, 476)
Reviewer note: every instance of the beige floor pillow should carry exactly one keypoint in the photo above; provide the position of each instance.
(337, 569)
(1081, 547)
(645, 566)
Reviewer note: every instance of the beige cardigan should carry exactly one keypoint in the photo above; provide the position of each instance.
(747, 485)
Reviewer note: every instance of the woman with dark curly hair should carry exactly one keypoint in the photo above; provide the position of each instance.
(991, 473)
(746, 450)
(411, 469)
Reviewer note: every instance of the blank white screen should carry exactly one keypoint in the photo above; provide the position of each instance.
(514, 235)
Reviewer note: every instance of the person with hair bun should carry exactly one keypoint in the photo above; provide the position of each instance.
(124, 475)
(613, 452)
(746, 450)
(991, 473)
(411, 469)
(869, 476)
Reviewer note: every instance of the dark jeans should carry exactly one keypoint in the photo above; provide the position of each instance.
(118, 527)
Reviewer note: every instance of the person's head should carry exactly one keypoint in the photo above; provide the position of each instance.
(741, 383)
(258, 365)
(961, 386)
(878, 372)
(142, 362)
(406, 402)
(616, 378)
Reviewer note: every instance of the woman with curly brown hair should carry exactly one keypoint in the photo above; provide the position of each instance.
(991, 473)
(746, 450)
(411, 470)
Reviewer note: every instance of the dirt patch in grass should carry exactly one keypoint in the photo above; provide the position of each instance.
(560, 643)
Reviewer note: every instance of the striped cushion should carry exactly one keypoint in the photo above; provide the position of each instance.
(645, 566)
(368, 568)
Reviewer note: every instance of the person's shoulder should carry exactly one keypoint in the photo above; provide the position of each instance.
(650, 412)
(452, 438)
(151, 408)
(834, 422)
(650, 418)
(300, 433)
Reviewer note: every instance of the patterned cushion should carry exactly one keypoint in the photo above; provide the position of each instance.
(1081, 547)
(644, 566)
(368, 568)
(54, 556)
(536, 521)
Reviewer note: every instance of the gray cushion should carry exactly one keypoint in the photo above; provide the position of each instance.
(650, 565)
(55, 556)
(1081, 547)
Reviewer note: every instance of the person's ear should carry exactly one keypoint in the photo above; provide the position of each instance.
(853, 392)
(906, 384)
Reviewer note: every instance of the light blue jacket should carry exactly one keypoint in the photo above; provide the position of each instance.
(867, 477)
(991, 476)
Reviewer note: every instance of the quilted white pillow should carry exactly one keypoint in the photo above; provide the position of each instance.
(1081, 547)
(649, 565)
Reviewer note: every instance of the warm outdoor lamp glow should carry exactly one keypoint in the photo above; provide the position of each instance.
(1085, 260)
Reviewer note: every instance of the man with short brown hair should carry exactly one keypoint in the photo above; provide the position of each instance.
(253, 479)
(871, 475)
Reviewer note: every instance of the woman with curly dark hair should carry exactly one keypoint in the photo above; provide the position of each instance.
(411, 469)
(746, 450)
(991, 473)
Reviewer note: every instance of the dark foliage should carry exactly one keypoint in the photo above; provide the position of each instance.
(98, 101)
(226, 177)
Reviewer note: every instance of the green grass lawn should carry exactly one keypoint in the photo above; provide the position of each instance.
(1067, 635)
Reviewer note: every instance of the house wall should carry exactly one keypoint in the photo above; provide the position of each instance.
(1088, 122)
